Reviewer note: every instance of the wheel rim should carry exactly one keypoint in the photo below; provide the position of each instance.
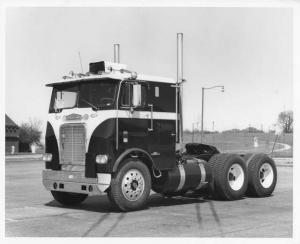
(266, 175)
(236, 177)
(133, 185)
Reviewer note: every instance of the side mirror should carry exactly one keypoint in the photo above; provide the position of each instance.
(136, 95)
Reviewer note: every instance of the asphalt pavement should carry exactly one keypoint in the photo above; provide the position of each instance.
(31, 211)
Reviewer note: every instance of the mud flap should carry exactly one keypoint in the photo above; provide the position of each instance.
(103, 181)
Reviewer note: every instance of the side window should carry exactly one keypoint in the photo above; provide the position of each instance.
(125, 95)
(163, 97)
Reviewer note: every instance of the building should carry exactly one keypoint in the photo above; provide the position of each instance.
(11, 136)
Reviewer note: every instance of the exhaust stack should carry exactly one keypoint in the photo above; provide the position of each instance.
(179, 127)
(117, 53)
(179, 57)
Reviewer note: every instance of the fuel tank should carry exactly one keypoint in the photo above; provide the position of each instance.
(192, 174)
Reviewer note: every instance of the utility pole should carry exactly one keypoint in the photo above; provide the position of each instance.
(193, 133)
(202, 113)
(197, 130)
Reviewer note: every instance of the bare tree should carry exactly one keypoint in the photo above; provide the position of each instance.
(285, 120)
(30, 132)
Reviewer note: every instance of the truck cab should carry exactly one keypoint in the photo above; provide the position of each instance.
(97, 120)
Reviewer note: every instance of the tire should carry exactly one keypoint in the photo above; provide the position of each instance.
(260, 184)
(230, 179)
(68, 198)
(130, 186)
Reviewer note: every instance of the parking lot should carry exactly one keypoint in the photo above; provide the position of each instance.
(31, 211)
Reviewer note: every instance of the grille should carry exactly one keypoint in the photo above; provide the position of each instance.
(72, 145)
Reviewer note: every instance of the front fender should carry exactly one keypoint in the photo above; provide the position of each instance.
(134, 152)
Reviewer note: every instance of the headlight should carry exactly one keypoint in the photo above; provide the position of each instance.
(47, 157)
(101, 159)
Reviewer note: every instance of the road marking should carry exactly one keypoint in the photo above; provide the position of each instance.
(28, 213)
(285, 146)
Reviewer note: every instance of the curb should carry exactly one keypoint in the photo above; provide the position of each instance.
(23, 158)
(285, 162)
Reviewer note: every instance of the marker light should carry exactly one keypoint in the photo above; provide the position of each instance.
(47, 157)
(101, 159)
(85, 116)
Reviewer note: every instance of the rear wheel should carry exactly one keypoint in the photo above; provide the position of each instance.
(130, 187)
(68, 198)
(229, 176)
(262, 174)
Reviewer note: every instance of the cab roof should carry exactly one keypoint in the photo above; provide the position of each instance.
(113, 76)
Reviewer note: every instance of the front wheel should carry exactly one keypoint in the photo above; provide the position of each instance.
(130, 187)
(68, 198)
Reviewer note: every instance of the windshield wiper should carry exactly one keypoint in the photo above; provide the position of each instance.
(89, 103)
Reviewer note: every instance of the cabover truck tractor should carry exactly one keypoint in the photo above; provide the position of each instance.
(117, 132)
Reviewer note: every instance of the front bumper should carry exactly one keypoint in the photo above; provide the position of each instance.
(70, 181)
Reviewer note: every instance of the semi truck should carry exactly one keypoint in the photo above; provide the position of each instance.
(118, 132)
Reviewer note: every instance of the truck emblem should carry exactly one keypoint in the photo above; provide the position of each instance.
(73, 117)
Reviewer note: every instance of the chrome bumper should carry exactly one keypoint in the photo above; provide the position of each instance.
(67, 181)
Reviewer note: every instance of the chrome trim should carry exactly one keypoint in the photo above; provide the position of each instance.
(182, 177)
(203, 175)
(151, 122)
(117, 114)
(70, 176)
(82, 126)
(74, 187)
(73, 182)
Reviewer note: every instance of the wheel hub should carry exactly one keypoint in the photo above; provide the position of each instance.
(236, 177)
(133, 185)
(266, 175)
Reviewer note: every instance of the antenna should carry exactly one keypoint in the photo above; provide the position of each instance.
(80, 62)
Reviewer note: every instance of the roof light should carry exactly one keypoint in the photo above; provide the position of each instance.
(106, 67)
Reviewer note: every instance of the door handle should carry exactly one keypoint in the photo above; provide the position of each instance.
(173, 134)
(151, 119)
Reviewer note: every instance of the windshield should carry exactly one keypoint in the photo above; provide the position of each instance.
(97, 94)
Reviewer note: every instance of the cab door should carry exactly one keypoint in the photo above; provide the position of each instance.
(133, 125)
(161, 126)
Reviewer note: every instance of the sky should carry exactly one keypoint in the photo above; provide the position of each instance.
(248, 50)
